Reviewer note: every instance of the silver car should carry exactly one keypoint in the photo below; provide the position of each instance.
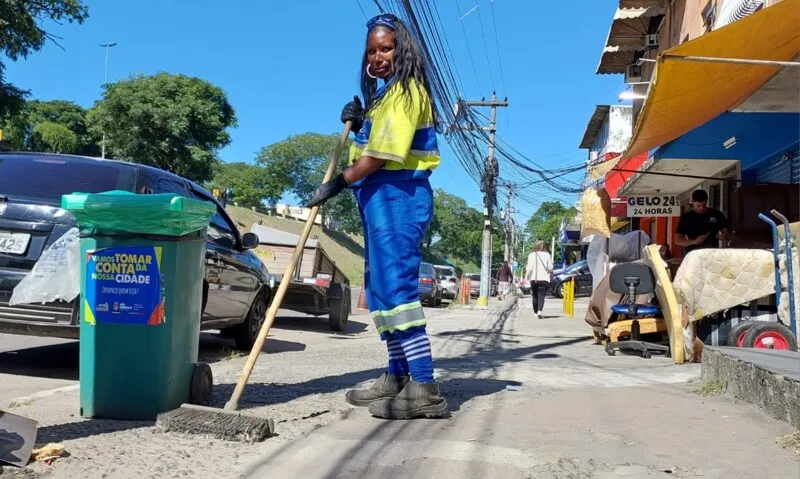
(448, 281)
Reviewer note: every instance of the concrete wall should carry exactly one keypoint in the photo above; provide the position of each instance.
(620, 128)
(615, 133)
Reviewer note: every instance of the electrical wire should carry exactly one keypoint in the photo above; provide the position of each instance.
(358, 2)
(497, 44)
(485, 47)
(469, 49)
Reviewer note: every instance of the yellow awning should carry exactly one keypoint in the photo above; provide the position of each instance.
(618, 223)
(600, 170)
(686, 94)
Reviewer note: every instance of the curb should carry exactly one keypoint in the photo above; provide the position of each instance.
(26, 400)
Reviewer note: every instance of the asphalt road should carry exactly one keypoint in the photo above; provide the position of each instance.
(31, 365)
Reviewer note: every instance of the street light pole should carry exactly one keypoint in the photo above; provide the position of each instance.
(107, 46)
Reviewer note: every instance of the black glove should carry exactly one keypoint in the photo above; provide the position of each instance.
(354, 112)
(326, 191)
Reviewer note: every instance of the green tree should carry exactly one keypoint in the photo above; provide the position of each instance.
(456, 229)
(247, 182)
(546, 221)
(21, 34)
(456, 232)
(54, 126)
(173, 122)
(55, 137)
(297, 165)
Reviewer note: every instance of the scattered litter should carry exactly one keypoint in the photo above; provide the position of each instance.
(513, 388)
(791, 441)
(48, 453)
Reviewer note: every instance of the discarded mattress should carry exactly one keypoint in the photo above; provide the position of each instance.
(713, 280)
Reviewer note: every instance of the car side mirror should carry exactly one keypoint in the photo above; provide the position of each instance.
(249, 240)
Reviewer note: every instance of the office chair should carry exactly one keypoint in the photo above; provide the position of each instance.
(633, 279)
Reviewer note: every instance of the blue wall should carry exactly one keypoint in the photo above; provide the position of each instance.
(759, 137)
(783, 168)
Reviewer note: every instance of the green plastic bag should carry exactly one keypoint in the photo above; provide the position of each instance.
(126, 212)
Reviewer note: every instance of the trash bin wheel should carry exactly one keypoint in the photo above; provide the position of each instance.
(340, 311)
(202, 385)
(769, 335)
(738, 332)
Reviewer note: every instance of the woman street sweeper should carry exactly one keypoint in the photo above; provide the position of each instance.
(393, 155)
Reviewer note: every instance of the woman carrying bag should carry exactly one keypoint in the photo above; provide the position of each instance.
(538, 271)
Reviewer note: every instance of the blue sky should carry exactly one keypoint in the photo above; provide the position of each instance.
(288, 67)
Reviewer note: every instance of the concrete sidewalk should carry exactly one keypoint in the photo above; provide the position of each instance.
(529, 398)
(535, 398)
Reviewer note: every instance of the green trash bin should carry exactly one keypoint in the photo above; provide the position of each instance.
(142, 269)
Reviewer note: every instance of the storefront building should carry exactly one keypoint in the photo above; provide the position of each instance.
(709, 121)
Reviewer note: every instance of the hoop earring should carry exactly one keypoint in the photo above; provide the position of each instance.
(374, 77)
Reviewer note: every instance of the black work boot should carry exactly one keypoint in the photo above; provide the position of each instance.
(415, 400)
(386, 386)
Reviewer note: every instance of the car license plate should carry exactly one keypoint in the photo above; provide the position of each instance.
(14, 243)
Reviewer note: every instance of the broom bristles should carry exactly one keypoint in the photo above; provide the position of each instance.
(218, 423)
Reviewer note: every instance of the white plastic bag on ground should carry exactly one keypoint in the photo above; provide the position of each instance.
(622, 249)
(56, 276)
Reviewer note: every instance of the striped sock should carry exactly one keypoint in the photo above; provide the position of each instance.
(398, 366)
(417, 349)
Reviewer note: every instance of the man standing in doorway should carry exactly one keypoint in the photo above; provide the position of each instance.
(702, 227)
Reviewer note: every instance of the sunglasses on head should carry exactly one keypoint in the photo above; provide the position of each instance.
(384, 19)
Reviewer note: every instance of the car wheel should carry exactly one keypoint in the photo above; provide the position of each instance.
(245, 334)
(559, 292)
(340, 311)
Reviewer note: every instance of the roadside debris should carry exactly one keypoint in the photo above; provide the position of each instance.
(48, 453)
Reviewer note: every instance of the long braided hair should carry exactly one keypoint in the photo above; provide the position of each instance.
(408, 64)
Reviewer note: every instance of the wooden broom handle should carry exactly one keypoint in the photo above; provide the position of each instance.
(233, 404)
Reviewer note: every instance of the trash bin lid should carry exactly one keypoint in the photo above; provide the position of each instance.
(123, 211)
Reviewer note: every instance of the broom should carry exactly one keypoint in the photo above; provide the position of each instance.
(229, 423)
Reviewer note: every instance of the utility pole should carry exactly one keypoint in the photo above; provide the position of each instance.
(107, 46)
(488, 188)
(507, 220)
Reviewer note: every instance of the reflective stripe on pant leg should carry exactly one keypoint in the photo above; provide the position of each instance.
(417, 349)
(398, 365)
(396, 217)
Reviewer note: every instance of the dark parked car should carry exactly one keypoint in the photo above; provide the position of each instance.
(583, 279)
(236, 287)
(429, 289)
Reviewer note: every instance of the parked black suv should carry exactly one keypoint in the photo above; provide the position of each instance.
(236, 288)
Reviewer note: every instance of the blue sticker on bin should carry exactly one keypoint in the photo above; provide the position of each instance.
(124, 286)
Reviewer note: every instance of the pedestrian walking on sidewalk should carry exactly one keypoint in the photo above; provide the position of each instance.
(391, 159)
(504, 276)
(538, 271)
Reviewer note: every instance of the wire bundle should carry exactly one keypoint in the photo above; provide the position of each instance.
(462, 125)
